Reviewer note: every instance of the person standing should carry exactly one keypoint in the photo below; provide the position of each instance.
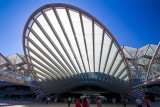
(147, 101)
(69, 101)
(98, 102)
(139, 102)
(88, 100)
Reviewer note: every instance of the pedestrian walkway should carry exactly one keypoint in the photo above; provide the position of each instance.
(42, 104)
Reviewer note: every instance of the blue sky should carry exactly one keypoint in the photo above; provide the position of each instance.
(134, 23)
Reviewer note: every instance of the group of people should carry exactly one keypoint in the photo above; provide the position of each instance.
(86, 102)
(139, 102)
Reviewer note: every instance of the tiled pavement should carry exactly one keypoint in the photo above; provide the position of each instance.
(42, 104)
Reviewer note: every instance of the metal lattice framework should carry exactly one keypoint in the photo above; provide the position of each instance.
(154, 67)
(139, 60)
(13, 69)
(153, 70)
(67, 47)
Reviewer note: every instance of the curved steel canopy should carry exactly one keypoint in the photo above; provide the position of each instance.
(67, 47)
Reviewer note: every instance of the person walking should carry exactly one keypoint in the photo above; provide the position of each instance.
(147, 101)
(48, 99)
(123, 102)
(88, 100)
(114, 100)
(126, 100)
(138, 102)
(69, 101)
(98, 102)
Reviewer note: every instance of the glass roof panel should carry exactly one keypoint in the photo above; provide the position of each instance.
(106, 44)
(89, 39)
(118, 58)
(78, 30)
(123, 74)
(56, 26)
(111, 56)
(98, 39)
(2, 61)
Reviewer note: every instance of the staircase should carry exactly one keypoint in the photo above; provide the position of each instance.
(137, 92)
(55, 97)
(40, 94)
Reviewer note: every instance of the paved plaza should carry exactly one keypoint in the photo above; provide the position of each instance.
(42, 104)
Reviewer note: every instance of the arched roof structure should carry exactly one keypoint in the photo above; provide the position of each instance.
(67, 47)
